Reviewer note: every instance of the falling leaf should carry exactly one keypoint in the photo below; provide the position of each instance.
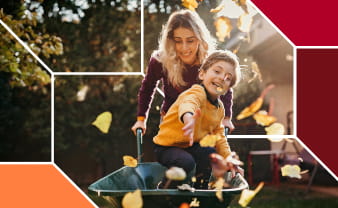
(81, 94)
(194, 203)
(193, 179)
(242, 4)
(256, 105)
(247, 195)
(175, 174)
(275, 129)
(257, 72)
(219, 186)
(217, 9)
(262, 118)
(223, 28)
(251, 109)
(186, 187)
(244, 22)
(190, 4)
(292, 171)
(209, 140)
(132, 200)
(129, 161)
(103, 121)
(184, 205)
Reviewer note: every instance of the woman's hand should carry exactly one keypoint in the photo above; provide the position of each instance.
(139, 125)
(228, 123)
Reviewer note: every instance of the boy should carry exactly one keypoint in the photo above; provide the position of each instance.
(196, 113)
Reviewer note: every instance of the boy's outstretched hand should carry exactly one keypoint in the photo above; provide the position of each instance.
(189, 125)
(222, 165)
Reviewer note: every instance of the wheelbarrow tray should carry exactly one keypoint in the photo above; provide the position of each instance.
(147, 175)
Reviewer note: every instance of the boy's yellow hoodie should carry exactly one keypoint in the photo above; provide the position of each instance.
(210, 121)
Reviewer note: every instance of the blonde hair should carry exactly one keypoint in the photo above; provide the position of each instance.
(227, 56)
(166, 53)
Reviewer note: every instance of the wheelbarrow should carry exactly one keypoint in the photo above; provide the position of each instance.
(146, 177)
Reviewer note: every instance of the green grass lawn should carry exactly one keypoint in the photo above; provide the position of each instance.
(287, 197)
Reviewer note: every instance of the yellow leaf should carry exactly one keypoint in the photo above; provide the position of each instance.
(184, 205)
(223, 28)
(257, 72)
(129, 161)
(194, 203)
(275, 129)
(132, 200)
(262, 118)
(190, 4)
(103, 121)
(244, 22)
(219, 186)
(209, 140)
(247, 195)
(175, 174)
(251, 109)
(256, 105)
(217, 9)
(293, 171)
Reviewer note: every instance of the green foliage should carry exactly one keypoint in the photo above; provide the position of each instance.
(16, 60)
(106, 39)
(25, 129)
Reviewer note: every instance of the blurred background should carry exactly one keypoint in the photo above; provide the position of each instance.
(105, 36)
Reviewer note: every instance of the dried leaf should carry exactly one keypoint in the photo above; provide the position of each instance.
(217, 9)
(275, 129)
(81, 94)
(219, 186)
(251, 109)
(194, 203)
(247, 195)
(129, 161)
(242, 4)
(244, 22)
(209, 140)
(193, 179)
(175, 174)
(292, 171)
(103, 121)
(223, 28)
(262, 118)
(256, 105)
(190, 4)
(184, 205)
(257, 73)
(132, 200)
(186, 187)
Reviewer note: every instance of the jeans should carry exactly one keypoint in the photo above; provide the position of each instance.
(188, 159)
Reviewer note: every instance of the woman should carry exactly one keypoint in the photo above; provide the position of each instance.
(184, 43)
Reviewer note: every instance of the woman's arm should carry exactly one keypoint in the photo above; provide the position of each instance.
(227, 102)
(146, 93)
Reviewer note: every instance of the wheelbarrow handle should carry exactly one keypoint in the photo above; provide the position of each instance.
(139, 132)
(226, 130)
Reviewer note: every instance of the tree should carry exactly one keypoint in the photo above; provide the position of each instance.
(25, 111)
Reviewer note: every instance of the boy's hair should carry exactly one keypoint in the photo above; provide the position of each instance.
(223, 55)
(166, 52)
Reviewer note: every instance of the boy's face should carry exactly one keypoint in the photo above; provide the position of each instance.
(217, 78)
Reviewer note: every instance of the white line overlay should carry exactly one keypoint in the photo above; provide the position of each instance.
(25, 46)
(141, 73)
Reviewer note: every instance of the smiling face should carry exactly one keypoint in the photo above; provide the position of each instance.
(186, 45)
(217, 78)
